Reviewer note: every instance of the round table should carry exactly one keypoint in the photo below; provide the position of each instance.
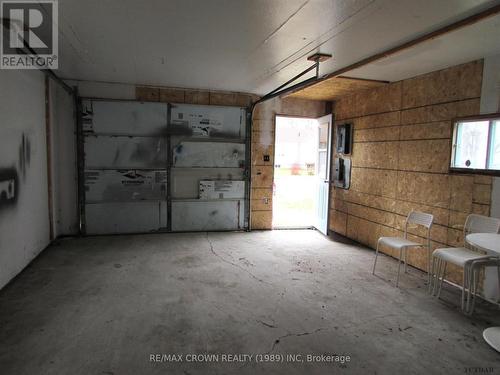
(490, 243)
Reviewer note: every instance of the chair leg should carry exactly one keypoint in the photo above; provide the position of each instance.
(375, 262)
(466, 287)
(464, 284)
(429, 265)
(406, 256)
(442, 279)
(399, 266)
(434, 275)
(475, 281)
(431, 273)
(439, 263)
(498, 276)
(470, 288)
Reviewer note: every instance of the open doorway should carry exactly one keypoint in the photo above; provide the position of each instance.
(302, 172)
(295, 172)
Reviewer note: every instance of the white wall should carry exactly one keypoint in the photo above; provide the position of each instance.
(490, 103)
(64, 166)
(64, 153)
(24, 221)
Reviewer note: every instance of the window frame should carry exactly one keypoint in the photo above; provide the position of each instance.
(486, 117)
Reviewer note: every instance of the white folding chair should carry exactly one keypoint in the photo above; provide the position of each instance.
(403, 243)
(461, 256)
(474, 268)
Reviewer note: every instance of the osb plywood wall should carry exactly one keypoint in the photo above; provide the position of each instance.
(263, 130)
(193, 96)
(400, 159)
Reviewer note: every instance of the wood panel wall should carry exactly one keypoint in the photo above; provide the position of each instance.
(401, 156)
(263, 130)
(193, 96)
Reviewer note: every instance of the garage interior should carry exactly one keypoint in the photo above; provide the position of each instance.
(138, 180)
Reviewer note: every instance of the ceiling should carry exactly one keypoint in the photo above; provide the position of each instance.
(463, 45)
(256, 45)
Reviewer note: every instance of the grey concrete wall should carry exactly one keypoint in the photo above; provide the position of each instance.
(24, 217)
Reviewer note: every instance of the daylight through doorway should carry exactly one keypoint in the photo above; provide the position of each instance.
(295, 179)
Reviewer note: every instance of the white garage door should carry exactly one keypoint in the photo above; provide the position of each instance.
(152, 167)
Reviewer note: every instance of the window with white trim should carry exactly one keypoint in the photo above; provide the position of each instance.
(476, 144)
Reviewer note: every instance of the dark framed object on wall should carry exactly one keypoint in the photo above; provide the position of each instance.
(344, 139)
(343, 148)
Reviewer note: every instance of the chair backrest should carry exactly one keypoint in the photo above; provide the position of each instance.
(420, 218)
(481, 224)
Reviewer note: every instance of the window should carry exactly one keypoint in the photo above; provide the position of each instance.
(476, 144)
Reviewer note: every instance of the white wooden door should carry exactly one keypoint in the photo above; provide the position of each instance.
(323, 172)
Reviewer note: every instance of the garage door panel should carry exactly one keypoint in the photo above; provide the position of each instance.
(207, 215)
(125, 185)
(126, 217)
(209, 121)
(144, 163)
(119, 152)
(125, 117)
(205, 154)
(185, 181)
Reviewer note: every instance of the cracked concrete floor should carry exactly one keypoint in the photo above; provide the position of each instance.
(104, 305)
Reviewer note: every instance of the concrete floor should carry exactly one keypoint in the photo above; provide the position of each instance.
(104, 305)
